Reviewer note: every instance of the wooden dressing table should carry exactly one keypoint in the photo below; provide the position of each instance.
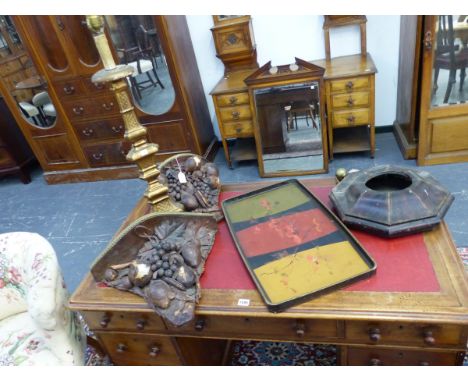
(350, 107)
(413, 311)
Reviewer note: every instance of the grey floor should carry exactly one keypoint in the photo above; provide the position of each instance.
(79, 219)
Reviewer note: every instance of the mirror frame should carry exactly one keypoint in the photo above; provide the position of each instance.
(262, 78)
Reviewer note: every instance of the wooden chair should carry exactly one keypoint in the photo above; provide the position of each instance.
(299, 110)
(449, 56)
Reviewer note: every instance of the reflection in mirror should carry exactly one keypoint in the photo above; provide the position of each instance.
(22, 80)
(137, 42)
(450, 60)
(290, 128)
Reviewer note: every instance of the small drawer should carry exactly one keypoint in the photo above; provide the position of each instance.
(68, 88)
(397, 357)
(390, 333)
(102, 129)
(92, 87)
(259, 328)
(124, 321)
(350, 100)
(91, 107)
(238, 129)
(135, 349)
(354, 117)
(233, 99)
(350, 84)
(107, 154)
(236, 113)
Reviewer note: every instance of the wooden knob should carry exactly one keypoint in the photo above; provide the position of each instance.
(429, 337)
(140, 325)
(300, 329)
(374, 334)
(121, 348)
(232, 100)
(154, 351)
(375, 362)
(200, 324)
(105, 319)
(351, 119)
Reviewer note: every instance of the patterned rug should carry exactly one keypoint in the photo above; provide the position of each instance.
(254, 353)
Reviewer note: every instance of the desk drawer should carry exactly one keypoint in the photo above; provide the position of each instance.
(276, 329)
(238, 129)
(354, 117)
(233, 99)
(107, 154)
(102, 129)
(92, 107)
(124, 321)
(350, 100)
(139, 349)
(390, 333)
(397, 357)
(233, 114)
(349, 84)
(69, 88)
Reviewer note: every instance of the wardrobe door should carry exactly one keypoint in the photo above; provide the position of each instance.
(443, 129)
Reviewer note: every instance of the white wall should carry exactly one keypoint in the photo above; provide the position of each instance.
(281, 38)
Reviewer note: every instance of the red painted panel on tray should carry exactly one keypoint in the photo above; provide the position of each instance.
(403, 264)
(285, 232)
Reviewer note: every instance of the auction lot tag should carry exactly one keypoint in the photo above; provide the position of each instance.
(243, 302)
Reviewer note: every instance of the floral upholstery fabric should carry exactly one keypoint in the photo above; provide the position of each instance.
(36, 328)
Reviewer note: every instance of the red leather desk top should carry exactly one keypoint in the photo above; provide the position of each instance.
(403, 264)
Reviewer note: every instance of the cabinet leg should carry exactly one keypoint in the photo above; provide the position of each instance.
(372, 140)
(226, 153)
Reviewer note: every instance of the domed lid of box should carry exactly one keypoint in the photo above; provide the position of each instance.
(391, 200)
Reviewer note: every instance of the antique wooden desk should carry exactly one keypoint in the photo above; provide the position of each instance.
(413, 311)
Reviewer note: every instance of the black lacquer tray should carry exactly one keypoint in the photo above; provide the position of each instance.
(293, 246)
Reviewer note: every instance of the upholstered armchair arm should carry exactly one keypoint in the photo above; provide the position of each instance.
(45, 294)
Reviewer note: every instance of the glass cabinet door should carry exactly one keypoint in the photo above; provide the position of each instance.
(450, 60)
(443, 126)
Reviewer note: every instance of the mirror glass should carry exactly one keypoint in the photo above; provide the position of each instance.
(22, 80)
(137, 43)
(450, 60)
(288, 118)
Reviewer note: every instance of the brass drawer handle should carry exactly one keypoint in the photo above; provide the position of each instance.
(349, 85)
(98, 156)
(428, 40)
(351, 119)
(105, 319)
(69, 89)
(350, 101)
(88, 131)
(375, 362)
(117, 129)
(121, 348)
(154, 351)
(429, 337)
(232, 100)
(235, 115)
(124, 152)
(78, 110)
(98, 85)
(141, 323)
(300, 328)
(374, 334)
(200, 324)
(109, 106)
